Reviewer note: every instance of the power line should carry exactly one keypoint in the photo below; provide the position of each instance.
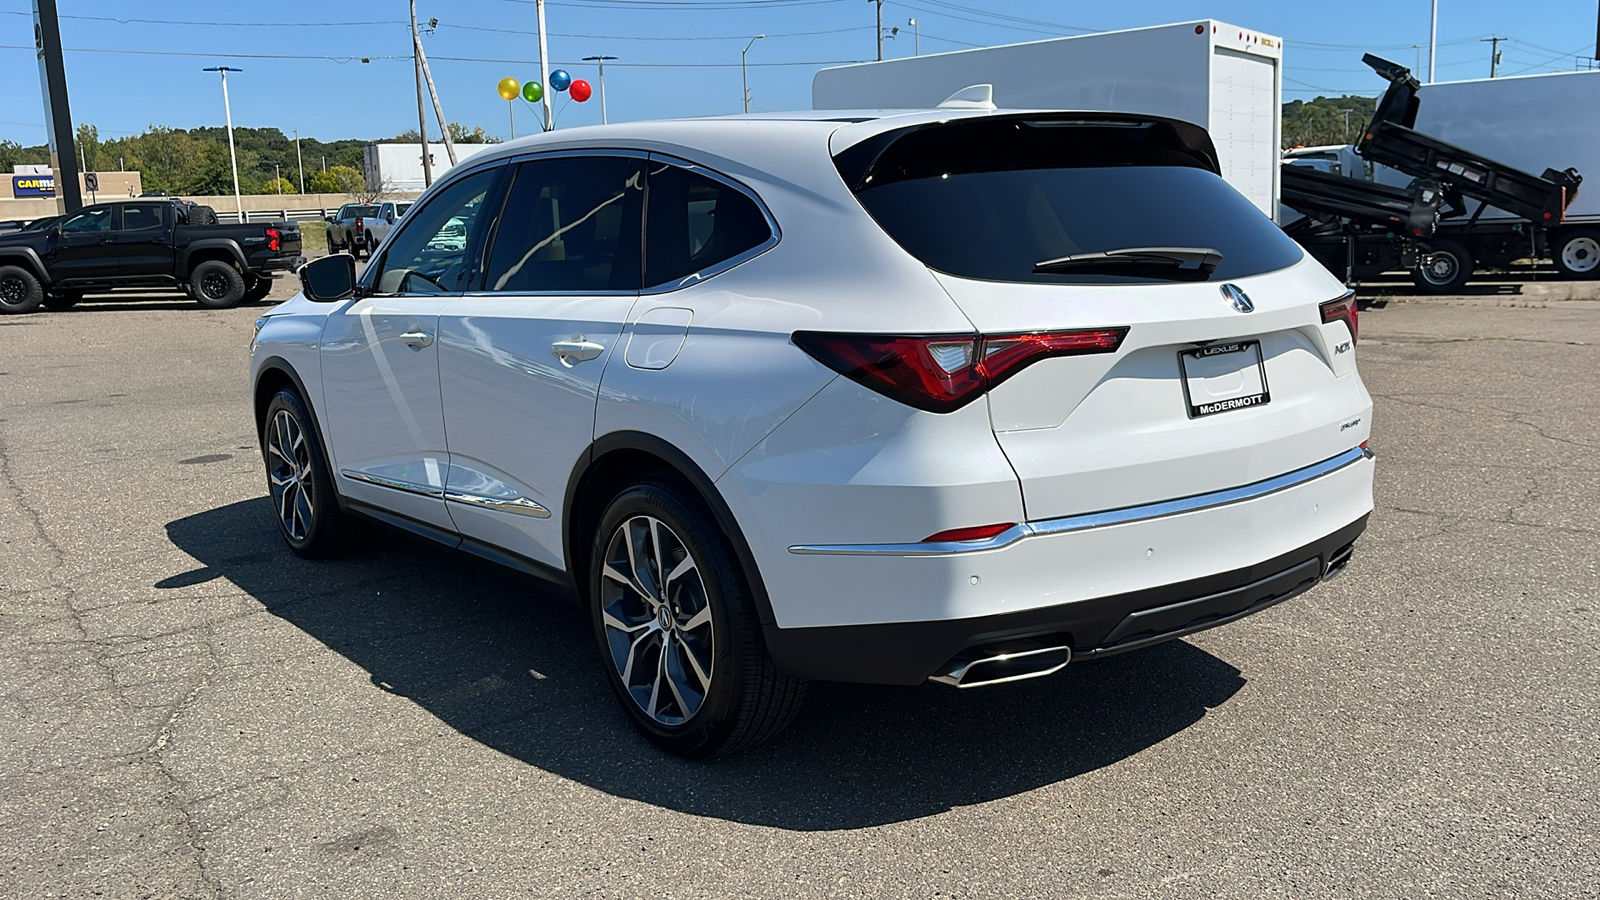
(467, 59)
(613, 37)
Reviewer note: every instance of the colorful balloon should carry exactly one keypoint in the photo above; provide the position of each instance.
(580, 90)
(532, 91)
(509, 89)
(559, 79)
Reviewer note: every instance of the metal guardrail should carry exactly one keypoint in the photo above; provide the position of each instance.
(230, 217)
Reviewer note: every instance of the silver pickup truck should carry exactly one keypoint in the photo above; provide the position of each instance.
(361, 227)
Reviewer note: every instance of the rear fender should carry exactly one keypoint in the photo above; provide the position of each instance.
(207, 249)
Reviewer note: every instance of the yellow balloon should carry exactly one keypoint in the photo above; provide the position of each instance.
(509, 89)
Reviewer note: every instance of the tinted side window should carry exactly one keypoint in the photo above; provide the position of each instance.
(136, 216)
(694, 222)
(570, 225)
(93, 219)
(429, 255)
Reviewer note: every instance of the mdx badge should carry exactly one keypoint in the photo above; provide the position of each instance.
(1237, 298)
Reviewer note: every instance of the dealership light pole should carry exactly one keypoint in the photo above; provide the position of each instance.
(916, 37)
(544, 69)
(744, 70)
(1433, 39)
(601, 60)
(233, 158)
(299, 161)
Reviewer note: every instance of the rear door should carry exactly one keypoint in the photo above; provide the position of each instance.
(144, 238)
(521, 358)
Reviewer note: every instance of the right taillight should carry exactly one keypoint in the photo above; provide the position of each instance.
(942, 373)
(1343, 310)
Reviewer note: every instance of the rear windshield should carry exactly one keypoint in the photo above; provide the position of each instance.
(362, 211)
(991, 199)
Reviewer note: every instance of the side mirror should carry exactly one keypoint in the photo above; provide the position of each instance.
(390, 217)
(332, 219)
(329, 279)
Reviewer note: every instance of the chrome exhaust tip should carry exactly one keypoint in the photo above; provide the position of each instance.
(981, 666)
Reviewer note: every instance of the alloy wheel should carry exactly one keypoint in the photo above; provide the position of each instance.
(289, 474)
(214, 285)
(658, 621)
(12, 290)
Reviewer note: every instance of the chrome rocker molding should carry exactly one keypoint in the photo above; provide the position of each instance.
(1098, 519)
(520, 506)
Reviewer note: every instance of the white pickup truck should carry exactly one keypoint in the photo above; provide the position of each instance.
(361, 227)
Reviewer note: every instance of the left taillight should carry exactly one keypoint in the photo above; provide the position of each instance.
(942, 373)
(1343, 310)
(273, 239)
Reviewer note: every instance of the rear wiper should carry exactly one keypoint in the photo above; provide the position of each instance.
(1178, 263)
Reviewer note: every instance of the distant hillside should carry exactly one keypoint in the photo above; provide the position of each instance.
(1309, 123)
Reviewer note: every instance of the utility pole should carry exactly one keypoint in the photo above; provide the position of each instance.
(299, 161)
(438, 110)
(1494, 52)
(1345, 139)
(233, 158)
(1433, 40)
(57, 115)
(744, 70)
(1418, 69)
(916, 37)
(880, 28)
(277, 179)
(601, 60)
(422, 115)
(544, 69)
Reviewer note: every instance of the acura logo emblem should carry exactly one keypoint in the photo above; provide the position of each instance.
(1237, 298)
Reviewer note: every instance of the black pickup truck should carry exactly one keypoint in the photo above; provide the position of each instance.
(143, 244)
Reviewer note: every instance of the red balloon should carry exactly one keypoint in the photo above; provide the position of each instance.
(580, 90)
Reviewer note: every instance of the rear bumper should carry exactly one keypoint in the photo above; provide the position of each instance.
(282, 264)
(909, 652)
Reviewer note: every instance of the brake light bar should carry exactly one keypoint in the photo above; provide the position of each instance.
(942, 373)
(1343, 310)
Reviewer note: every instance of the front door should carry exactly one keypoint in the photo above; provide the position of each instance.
(380, 360)
(83, 249)
(520, 361)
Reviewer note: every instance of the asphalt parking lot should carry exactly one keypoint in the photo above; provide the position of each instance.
(187, 710)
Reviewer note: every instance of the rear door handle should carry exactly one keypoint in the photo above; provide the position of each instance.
(417, 338)
(576, 350)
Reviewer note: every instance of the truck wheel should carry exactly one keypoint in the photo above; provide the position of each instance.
(217, 285)
(1578, 254)
(1444, 268)
(677, 627)
(258, 290)
(333, 245)
(62, 299)
(371, 245)
(20, 292)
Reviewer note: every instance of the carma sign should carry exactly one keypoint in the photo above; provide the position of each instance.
(33, 186)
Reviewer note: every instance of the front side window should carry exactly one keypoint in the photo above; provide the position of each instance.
(429, 255)
(570, 225)
(696, 222)
(138, 216)
(90, 220)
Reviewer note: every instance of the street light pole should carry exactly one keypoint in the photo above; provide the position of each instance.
(744, 70)
(544, 69)
(299, 161)
(602, 61)
(916, 38)
(1433, 39)
(233, 157)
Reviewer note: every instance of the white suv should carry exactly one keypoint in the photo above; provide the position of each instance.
(957, 395)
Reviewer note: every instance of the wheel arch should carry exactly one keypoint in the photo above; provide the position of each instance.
(274, 374)
(27, 258)
(219, 249)
(620, 458)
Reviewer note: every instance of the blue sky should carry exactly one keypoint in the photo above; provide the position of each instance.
(672, 61)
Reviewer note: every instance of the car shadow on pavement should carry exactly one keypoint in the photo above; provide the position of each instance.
(512, 664)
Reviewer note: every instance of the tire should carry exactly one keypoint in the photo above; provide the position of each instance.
(258, 290)
(202, 215)
(333, 245)
(20, 291)
(62, 299)
(714, 689)
(1577, 255)
(216, 285)
(1444, 268)
(371, 245)
(299, 484)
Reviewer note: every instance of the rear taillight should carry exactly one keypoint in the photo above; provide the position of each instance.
(272, 239)
(942, 373)
(1343, 310)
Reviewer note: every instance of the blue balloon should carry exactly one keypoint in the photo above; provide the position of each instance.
(559, 79)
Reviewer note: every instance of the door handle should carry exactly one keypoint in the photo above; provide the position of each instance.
(105, 241)
(417, 338)
(576, 350)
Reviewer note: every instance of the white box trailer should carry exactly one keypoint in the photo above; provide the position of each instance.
(398, 167)
(1224, 78)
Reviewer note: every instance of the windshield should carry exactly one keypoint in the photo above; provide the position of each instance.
(993, 200)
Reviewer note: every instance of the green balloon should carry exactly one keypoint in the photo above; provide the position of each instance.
(532, 92)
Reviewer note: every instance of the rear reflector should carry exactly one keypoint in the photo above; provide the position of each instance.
(975, 533)
(942, 373)
(1343, 309)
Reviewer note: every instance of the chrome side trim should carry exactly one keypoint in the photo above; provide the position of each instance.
(395, 483)
(520, 506)
(1099, 519)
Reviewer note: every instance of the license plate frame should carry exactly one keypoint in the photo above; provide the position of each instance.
(1214, 353)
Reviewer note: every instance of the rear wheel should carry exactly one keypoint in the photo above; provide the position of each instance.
(1577, 255)
(216, 285)
(62, 299)
(20, 292)
(258, 290)
(299, 483)
(1444, 268)
(371, 245)
(677, 627)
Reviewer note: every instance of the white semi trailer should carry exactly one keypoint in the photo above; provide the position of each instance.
(398, 167)
(1224, 78)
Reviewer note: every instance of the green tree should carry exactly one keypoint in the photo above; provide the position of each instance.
(88, 147)
(1326, 120)
(213, 172)
(278, 186)
(338, 180)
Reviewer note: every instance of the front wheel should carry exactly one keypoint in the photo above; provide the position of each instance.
(20, 292)
(1444, 268)
(1577, 255)
(677, 627)
(216, 285)
(299, 483)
